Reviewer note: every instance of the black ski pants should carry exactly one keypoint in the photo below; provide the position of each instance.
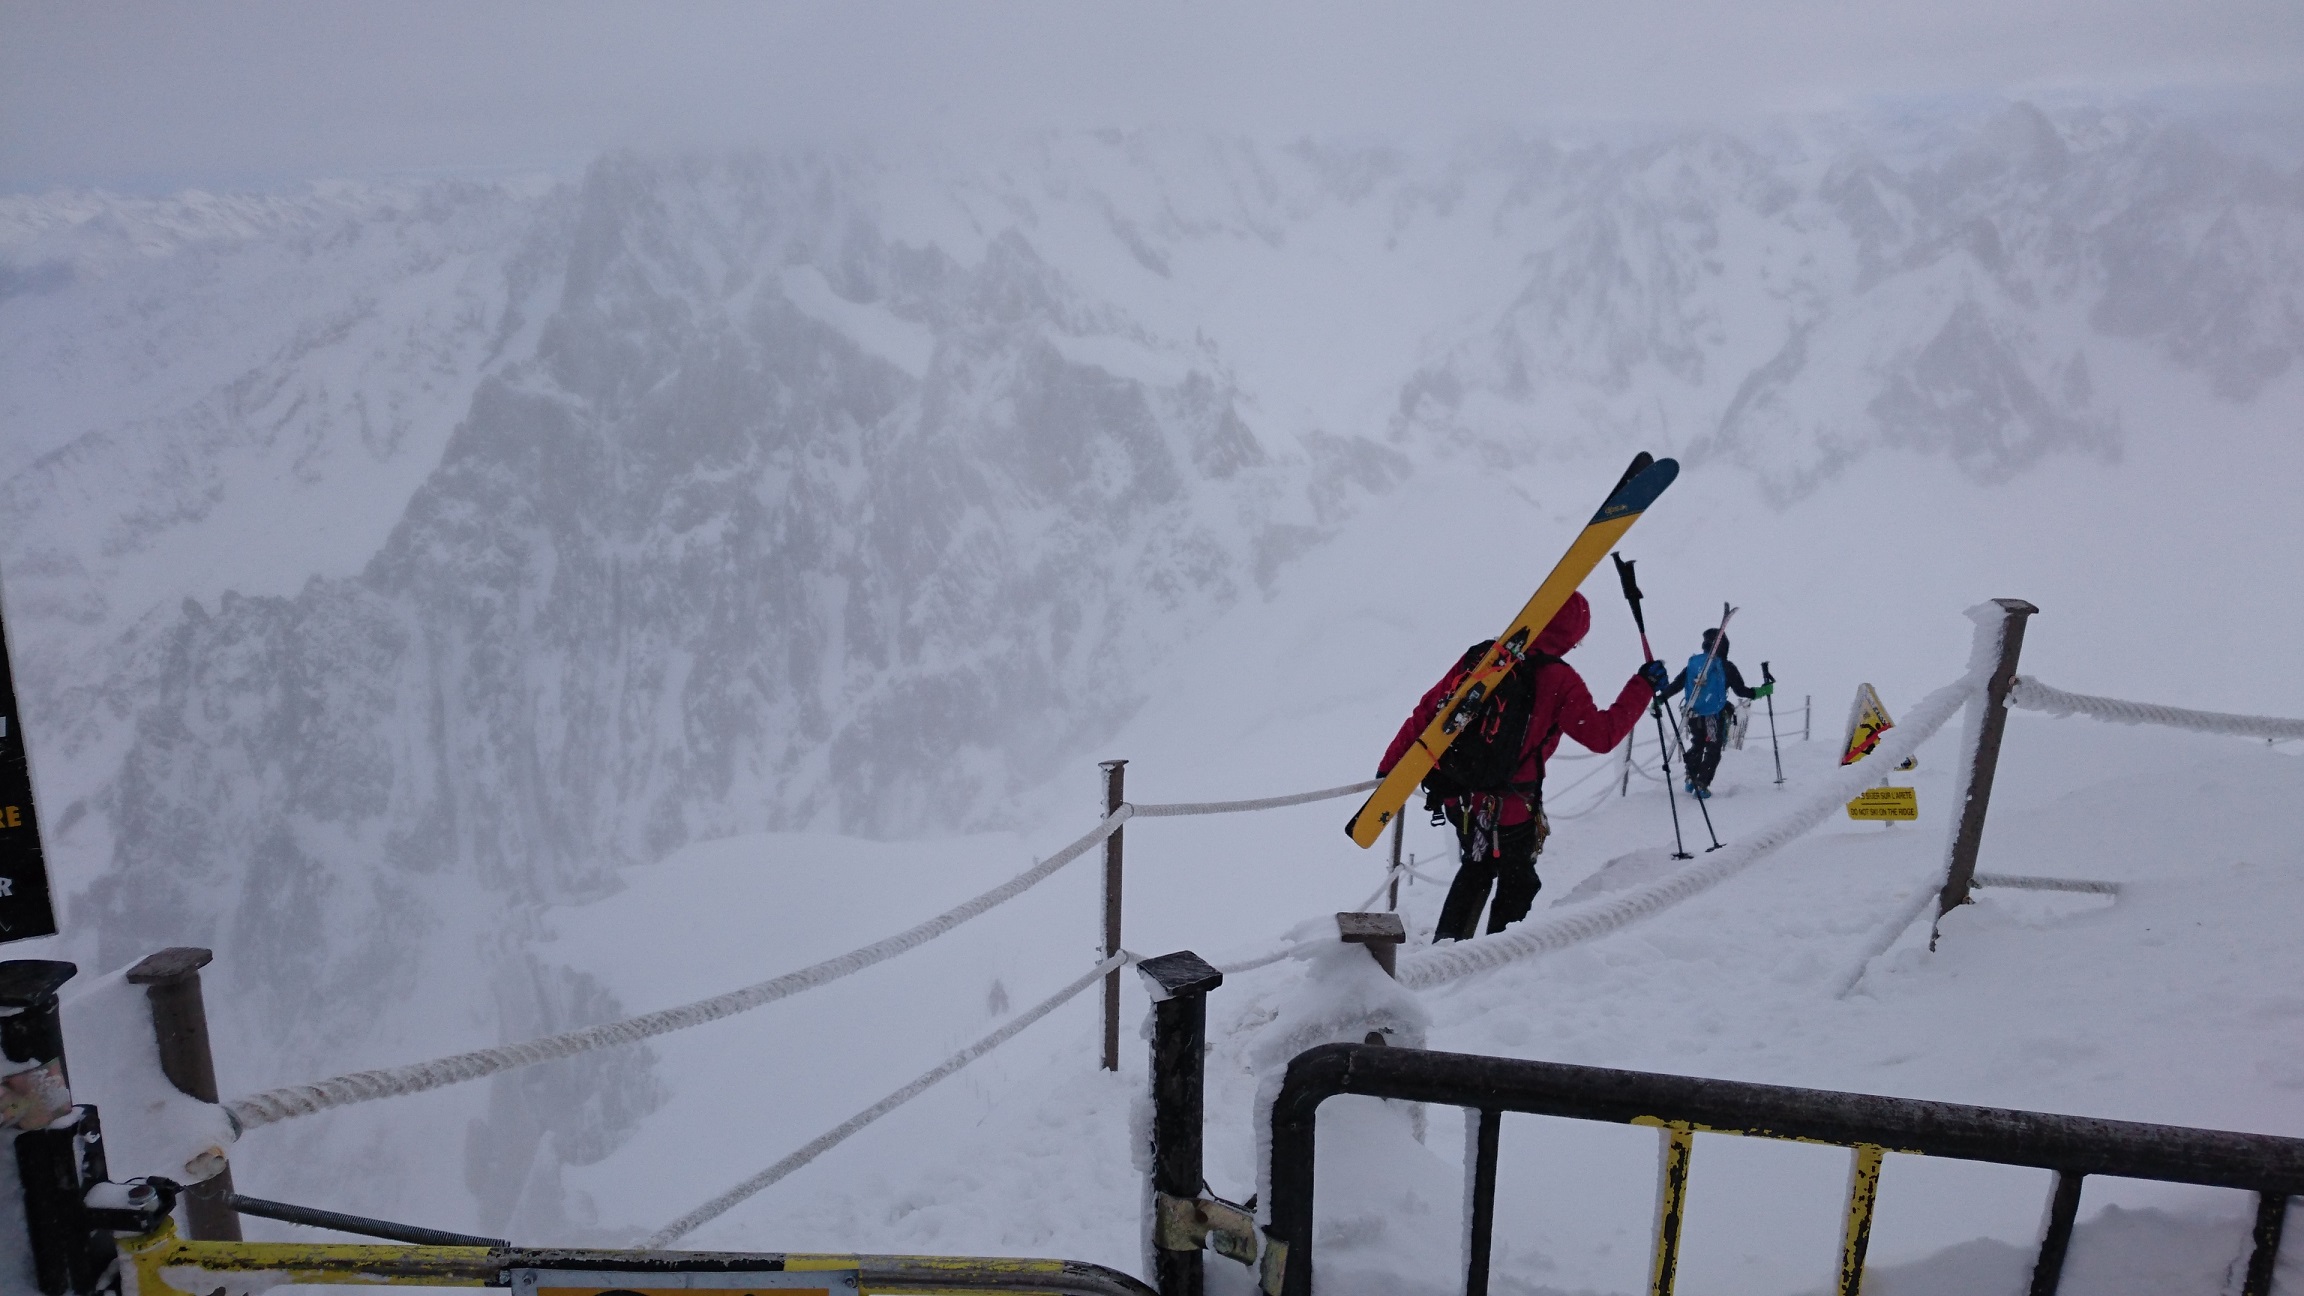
(1511, 870)
(1706, 734)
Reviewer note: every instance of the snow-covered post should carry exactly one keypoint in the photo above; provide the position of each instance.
(1999, 633)
(1179, 1224)
(1115, 771)
(1344, 997)
(171, 981)
(50, 1160)
(1380, 933)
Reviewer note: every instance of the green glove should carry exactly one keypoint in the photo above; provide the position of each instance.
(1763, 691)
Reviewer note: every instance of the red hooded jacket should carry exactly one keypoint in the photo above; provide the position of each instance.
(1563, 706)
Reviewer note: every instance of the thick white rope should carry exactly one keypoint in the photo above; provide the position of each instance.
(1259, 961)
(2017, 882)
(1587, 776)
(1176, 808)
(391, 1082)
(2032, 695)
(1885, 936)
(1370, 903)
(1421, 876)
(840, 1133)
(1437, 964)
(1552, 816)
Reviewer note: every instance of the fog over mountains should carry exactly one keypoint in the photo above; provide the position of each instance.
(383, 561)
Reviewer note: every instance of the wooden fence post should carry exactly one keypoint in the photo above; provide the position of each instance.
(171, 980)
(1984, 761)
(1115, 773)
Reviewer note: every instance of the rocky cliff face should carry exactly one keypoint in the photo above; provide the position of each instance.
(1789, 308)
(387, 562)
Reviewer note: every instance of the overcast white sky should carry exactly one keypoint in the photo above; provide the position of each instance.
(155, 95)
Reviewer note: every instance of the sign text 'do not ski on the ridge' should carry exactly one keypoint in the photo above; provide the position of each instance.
(1886, 803)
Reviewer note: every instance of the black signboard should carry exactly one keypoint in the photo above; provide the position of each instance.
(25, 910)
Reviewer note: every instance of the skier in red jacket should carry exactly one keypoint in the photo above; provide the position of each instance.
(1500, 831)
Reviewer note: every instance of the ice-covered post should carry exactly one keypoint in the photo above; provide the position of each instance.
(171, 981)
(1179, 984)
(1987, 718)
(1115, 771)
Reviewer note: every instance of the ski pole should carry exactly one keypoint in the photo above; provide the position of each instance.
(1664, 756)
(1632, 596)
(1655, 708)
(1773, 750)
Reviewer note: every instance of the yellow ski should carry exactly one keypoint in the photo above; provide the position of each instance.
(1639, 487)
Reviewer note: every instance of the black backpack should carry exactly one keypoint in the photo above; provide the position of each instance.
(1486, 750)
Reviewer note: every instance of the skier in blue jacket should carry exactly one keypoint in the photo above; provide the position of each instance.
(1708, 679)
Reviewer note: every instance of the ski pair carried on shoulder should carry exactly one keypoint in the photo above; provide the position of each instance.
(1639, 487)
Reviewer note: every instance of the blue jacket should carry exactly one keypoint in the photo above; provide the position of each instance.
(1719, 680)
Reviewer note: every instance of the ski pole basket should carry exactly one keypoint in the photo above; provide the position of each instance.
(1680, 1107)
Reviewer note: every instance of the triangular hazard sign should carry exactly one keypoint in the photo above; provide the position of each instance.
(1867, 720)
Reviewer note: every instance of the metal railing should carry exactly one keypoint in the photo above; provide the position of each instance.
(1680, 1107)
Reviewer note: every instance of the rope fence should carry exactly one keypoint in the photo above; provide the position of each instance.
(838, 1134)
(2032, 695)
(1179, 808)
(391, 1082)
(291, 1101)
(2076, 886)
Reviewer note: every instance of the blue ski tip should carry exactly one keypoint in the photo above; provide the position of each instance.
(1637, 494)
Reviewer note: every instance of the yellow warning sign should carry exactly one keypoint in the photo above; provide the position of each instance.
(1867, 721)
(1886, 803)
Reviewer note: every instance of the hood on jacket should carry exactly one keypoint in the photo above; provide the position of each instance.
(1568, 627)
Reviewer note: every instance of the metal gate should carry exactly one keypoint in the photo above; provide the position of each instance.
(1679, 1107)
